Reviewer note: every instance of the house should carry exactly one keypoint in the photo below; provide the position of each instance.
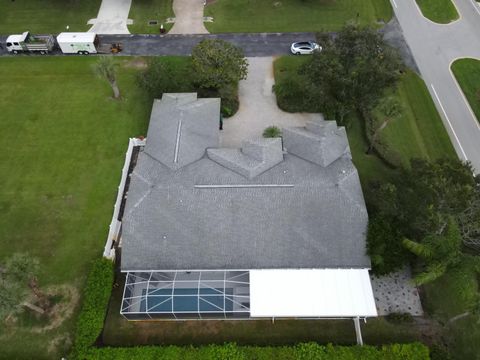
(274, 229)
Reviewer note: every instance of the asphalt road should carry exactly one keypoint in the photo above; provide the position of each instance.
(434, 48)
(253, 44)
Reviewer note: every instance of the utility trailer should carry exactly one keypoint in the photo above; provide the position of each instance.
(27, 42)
(85, 43)
(82, 43)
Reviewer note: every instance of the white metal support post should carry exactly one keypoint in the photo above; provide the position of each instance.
(358, 330)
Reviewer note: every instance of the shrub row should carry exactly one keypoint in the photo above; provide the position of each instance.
(95, 304)
(309, 351)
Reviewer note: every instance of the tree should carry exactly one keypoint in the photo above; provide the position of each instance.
(164, 76)
(17, 283)
(419, 204)
(469, 221)
(440, 253)
(106, 69)
(272, 132)
(388, 110)
(384, 245)
(423, 197)
(352, 72)
(218, 64)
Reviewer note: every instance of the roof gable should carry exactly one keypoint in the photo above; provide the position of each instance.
(181, 128)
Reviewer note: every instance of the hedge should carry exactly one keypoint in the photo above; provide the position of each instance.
(92, 316)
(95, 303)
(309, 351)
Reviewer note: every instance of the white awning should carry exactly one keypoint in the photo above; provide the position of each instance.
(311, 293)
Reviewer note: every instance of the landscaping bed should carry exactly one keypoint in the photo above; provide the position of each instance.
(439, 11)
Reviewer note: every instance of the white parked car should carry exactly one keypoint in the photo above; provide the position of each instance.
(305, 48)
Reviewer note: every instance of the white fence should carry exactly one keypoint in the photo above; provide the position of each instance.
(115, 225)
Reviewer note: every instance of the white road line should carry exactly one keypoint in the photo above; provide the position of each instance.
(449, 123)
(476, 6)
(395, 4)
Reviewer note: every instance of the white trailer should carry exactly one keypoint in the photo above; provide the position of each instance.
(82, 43)
(27, 42)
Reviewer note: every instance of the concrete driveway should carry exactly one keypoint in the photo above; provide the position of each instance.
(188, 17)
(434, 48)
(258, 106)
(112, 17)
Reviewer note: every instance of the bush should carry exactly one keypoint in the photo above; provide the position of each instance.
(292, 96)
(218, 64)
(95, 302)
(272, 132)
(164, 75)
(384, 246)
(309, 351)
(399, 318)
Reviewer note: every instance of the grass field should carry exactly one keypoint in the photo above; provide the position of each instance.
(64, 141)
(46, 16)
(419, 130)
(439, 11)
(293, 15)
(143, 11)
(467, 73)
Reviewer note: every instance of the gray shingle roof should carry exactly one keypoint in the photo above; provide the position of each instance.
(247, 209)
(255, 156)
(183, 127)
(319, 142)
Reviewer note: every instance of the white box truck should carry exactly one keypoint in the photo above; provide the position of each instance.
(82, 43)
(27, 42)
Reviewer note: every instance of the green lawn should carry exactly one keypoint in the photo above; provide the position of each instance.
(144, 10)
(467, 72)
(293, 15)
(46, 16)
(64, 141)
(419, 130)
(439, 11)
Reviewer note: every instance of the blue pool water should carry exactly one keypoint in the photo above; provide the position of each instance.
(159, 300)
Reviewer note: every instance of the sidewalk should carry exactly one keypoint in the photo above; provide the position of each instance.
(188, 17)
(112, 17)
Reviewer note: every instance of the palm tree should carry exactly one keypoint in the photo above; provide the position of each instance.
(106, 68)
(440, 252)
(272, 132)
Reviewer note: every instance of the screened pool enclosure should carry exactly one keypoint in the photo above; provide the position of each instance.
(186, 295)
